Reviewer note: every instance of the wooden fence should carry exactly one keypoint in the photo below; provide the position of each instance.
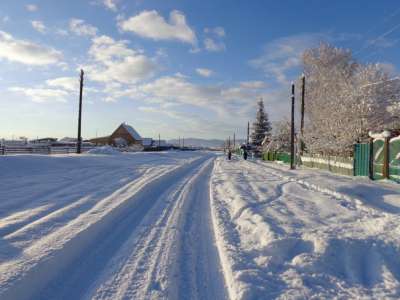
(39, 150)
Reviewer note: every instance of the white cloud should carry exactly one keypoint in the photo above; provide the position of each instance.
(282, 56)
(42, 95)
(111, 4)
(214, 46)
(204, 72)
(79, 27)
(31, 7)
(214, 43)
(66, 83)
(39, 26)
(26, 52)
(222, 99)
(61, 32)
(218, 31)
(150, 24)
(114, 61)
(252, 84)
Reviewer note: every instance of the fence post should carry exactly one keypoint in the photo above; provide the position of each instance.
(385, 171)
(371, 158)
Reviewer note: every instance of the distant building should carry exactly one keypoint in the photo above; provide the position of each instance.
(147, 142)
(43, 141)
(124, 135)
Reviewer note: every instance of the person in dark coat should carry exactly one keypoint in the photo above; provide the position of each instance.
(229, 154)
(244, 149)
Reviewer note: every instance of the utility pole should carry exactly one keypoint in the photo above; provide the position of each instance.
(229, 142)
(303, 86)
(79, 141)
(183, 142)
(234, 140)
(248, 132)
(179, 142)
(292, 132)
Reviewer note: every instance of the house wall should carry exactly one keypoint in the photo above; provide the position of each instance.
(101, 141)
(123, 133)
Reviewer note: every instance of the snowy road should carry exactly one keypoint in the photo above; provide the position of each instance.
(192, 226)
(150, 239)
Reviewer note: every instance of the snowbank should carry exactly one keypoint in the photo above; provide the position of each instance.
(107, 150)
(283, 235)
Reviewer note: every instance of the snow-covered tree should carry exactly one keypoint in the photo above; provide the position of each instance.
(280, 139)
(261, 127)
(344, 99)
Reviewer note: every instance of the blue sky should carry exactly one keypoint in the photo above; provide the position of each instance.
(179, 68)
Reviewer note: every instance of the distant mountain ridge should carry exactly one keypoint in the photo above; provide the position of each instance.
(202, 143)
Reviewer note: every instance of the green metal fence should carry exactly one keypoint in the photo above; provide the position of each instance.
(334, 164)
(276, 156)
(366, 161)
(361, 159)
(394, 159)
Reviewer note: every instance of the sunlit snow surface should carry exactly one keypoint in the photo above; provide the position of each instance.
(192, 225)
(304, 234)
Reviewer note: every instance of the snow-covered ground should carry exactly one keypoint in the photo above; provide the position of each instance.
(305, 234)
(192, 225)
(107, 227)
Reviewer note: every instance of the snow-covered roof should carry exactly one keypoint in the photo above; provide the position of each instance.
(132, 131)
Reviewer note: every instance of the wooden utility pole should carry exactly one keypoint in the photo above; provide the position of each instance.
(183, 142)
(248, 132)
(292, 132)
(303, 86)
(79, 141)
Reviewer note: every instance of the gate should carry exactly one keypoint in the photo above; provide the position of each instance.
(361, 159)
(394, 159)
(378, 157)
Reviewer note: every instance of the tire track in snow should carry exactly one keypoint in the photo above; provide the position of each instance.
(149, 246)
(158, 264)
(43, 265)
(13, 223)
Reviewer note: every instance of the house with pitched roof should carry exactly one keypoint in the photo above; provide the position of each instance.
(124, 135)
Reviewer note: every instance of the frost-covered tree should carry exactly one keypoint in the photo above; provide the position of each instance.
(261, 127)
(344, 99)
(280, 138)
